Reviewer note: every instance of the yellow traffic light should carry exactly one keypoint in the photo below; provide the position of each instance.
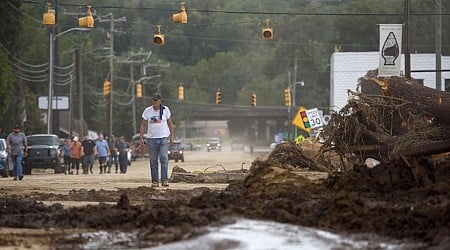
(218, 97)
(158, 38)
(287, 97)
(87, 21)
(106, 87)
(267, 32)
(254, 99)
(49, 16)
(180, 17)
(180, 92)
(139, 89)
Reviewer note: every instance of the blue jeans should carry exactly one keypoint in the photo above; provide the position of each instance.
(158, 149)
(17, 160)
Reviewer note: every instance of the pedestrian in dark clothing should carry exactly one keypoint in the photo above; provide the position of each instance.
(113, 157)
(66, 156)
(88, 150)
(122, 148)
(16, 145)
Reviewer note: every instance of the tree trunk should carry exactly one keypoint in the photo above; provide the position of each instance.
(436, 102)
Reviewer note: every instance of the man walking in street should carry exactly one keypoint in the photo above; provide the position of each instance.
(114, 154)
(157, 122)
(17, 147)
(88, 150)
(102, 153)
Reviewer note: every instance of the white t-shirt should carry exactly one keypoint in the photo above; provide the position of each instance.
(157, 128)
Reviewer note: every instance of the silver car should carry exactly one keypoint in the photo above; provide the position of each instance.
(4, 166)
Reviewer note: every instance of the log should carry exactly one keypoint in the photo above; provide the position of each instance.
(436, 102)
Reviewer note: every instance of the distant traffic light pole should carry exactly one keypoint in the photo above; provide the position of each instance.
(49, 21)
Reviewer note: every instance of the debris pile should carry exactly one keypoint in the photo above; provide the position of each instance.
(385, 127)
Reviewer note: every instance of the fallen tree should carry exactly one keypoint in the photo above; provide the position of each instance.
(393, 117)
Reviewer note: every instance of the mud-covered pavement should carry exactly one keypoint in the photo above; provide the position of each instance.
(35, 215)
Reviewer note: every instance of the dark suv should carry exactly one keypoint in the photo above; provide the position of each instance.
(43, 152)
(176, 151)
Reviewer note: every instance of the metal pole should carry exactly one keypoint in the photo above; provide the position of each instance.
(111, 66)
(289, 108)
(133, 94)
(70, 105)
(438, 44)
(407, 52)
(80, 91)
(50, 83)
(294, 102)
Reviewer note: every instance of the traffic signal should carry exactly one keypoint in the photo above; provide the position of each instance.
(218, 97)
(180, 17)
(49, 16)
(267, 32)
(305, 119)
(106, 87)
(139, 89)
(87, 21)
(180, 92)
(287, 97)
(254, 99)
(158, 38)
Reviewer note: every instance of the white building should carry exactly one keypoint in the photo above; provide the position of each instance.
(347, 67)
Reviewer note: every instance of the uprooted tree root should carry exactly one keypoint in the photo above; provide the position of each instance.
(379, 127)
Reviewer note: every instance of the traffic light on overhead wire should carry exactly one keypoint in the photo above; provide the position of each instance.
(139, 89)
(218, 97)
(106, 87)
(158, 38)
(267, 32)
(49, 17)
(180, 92)
(254, 99)
(87, 21)
(180, 17)
(287, 97)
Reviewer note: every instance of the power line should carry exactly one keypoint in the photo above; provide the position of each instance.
(296, 13)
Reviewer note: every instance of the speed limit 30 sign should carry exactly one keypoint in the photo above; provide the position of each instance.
(314, 118)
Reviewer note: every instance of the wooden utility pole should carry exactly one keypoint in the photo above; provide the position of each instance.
(407, 51)
(438, 43)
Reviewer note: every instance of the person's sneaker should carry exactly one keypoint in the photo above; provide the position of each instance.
(15, 178)
(155, 184)
(165, 184)
(20, 177)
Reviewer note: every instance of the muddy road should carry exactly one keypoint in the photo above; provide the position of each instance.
(45, 181)
(48, 211)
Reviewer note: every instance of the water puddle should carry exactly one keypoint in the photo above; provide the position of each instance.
(253, 234)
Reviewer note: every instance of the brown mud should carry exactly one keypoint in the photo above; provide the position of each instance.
(385, 200)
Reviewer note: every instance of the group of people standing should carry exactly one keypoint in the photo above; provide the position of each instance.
(85, 153)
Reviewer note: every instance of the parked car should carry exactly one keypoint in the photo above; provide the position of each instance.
(4, 166)
(176, 151)
(237, 145)
(213, 143)
(44, 152)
